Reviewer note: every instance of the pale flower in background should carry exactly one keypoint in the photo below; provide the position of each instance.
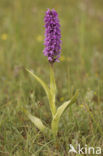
(39, 38)
(62, 58)
(82, 106)
(4, 37)
(61, 99)
(69, 59)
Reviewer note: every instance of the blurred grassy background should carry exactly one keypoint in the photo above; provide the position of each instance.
(81, 67)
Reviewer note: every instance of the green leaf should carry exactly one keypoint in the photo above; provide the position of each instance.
(60, 110)
(42, 83)
(36, 121)
(47, 90)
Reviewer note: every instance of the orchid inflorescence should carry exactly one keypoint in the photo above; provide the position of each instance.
(52, 36)
(52, 51)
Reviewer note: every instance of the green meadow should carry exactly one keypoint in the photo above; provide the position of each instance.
(80, 67)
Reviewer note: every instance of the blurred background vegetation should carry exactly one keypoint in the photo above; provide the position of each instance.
(81, 67)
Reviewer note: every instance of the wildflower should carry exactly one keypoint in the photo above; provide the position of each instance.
(52, 36)
(62, 58)
(95, 93)
(62, 99)
(69, 59)
(87, 74)
(4, 37)
(52, 51)
(39, 38)
(82, 106)
(96, 74)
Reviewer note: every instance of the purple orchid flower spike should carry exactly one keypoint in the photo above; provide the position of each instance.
(52, 36)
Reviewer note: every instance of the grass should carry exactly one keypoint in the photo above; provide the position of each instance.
(21, 46)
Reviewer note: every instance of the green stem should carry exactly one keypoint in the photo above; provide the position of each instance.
(52, 90)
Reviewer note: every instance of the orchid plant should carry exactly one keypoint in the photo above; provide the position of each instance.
(52, 51)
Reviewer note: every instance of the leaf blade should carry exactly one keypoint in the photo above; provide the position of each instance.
(41, 82)
(60, 111)
(47, 90)
(35, 120)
